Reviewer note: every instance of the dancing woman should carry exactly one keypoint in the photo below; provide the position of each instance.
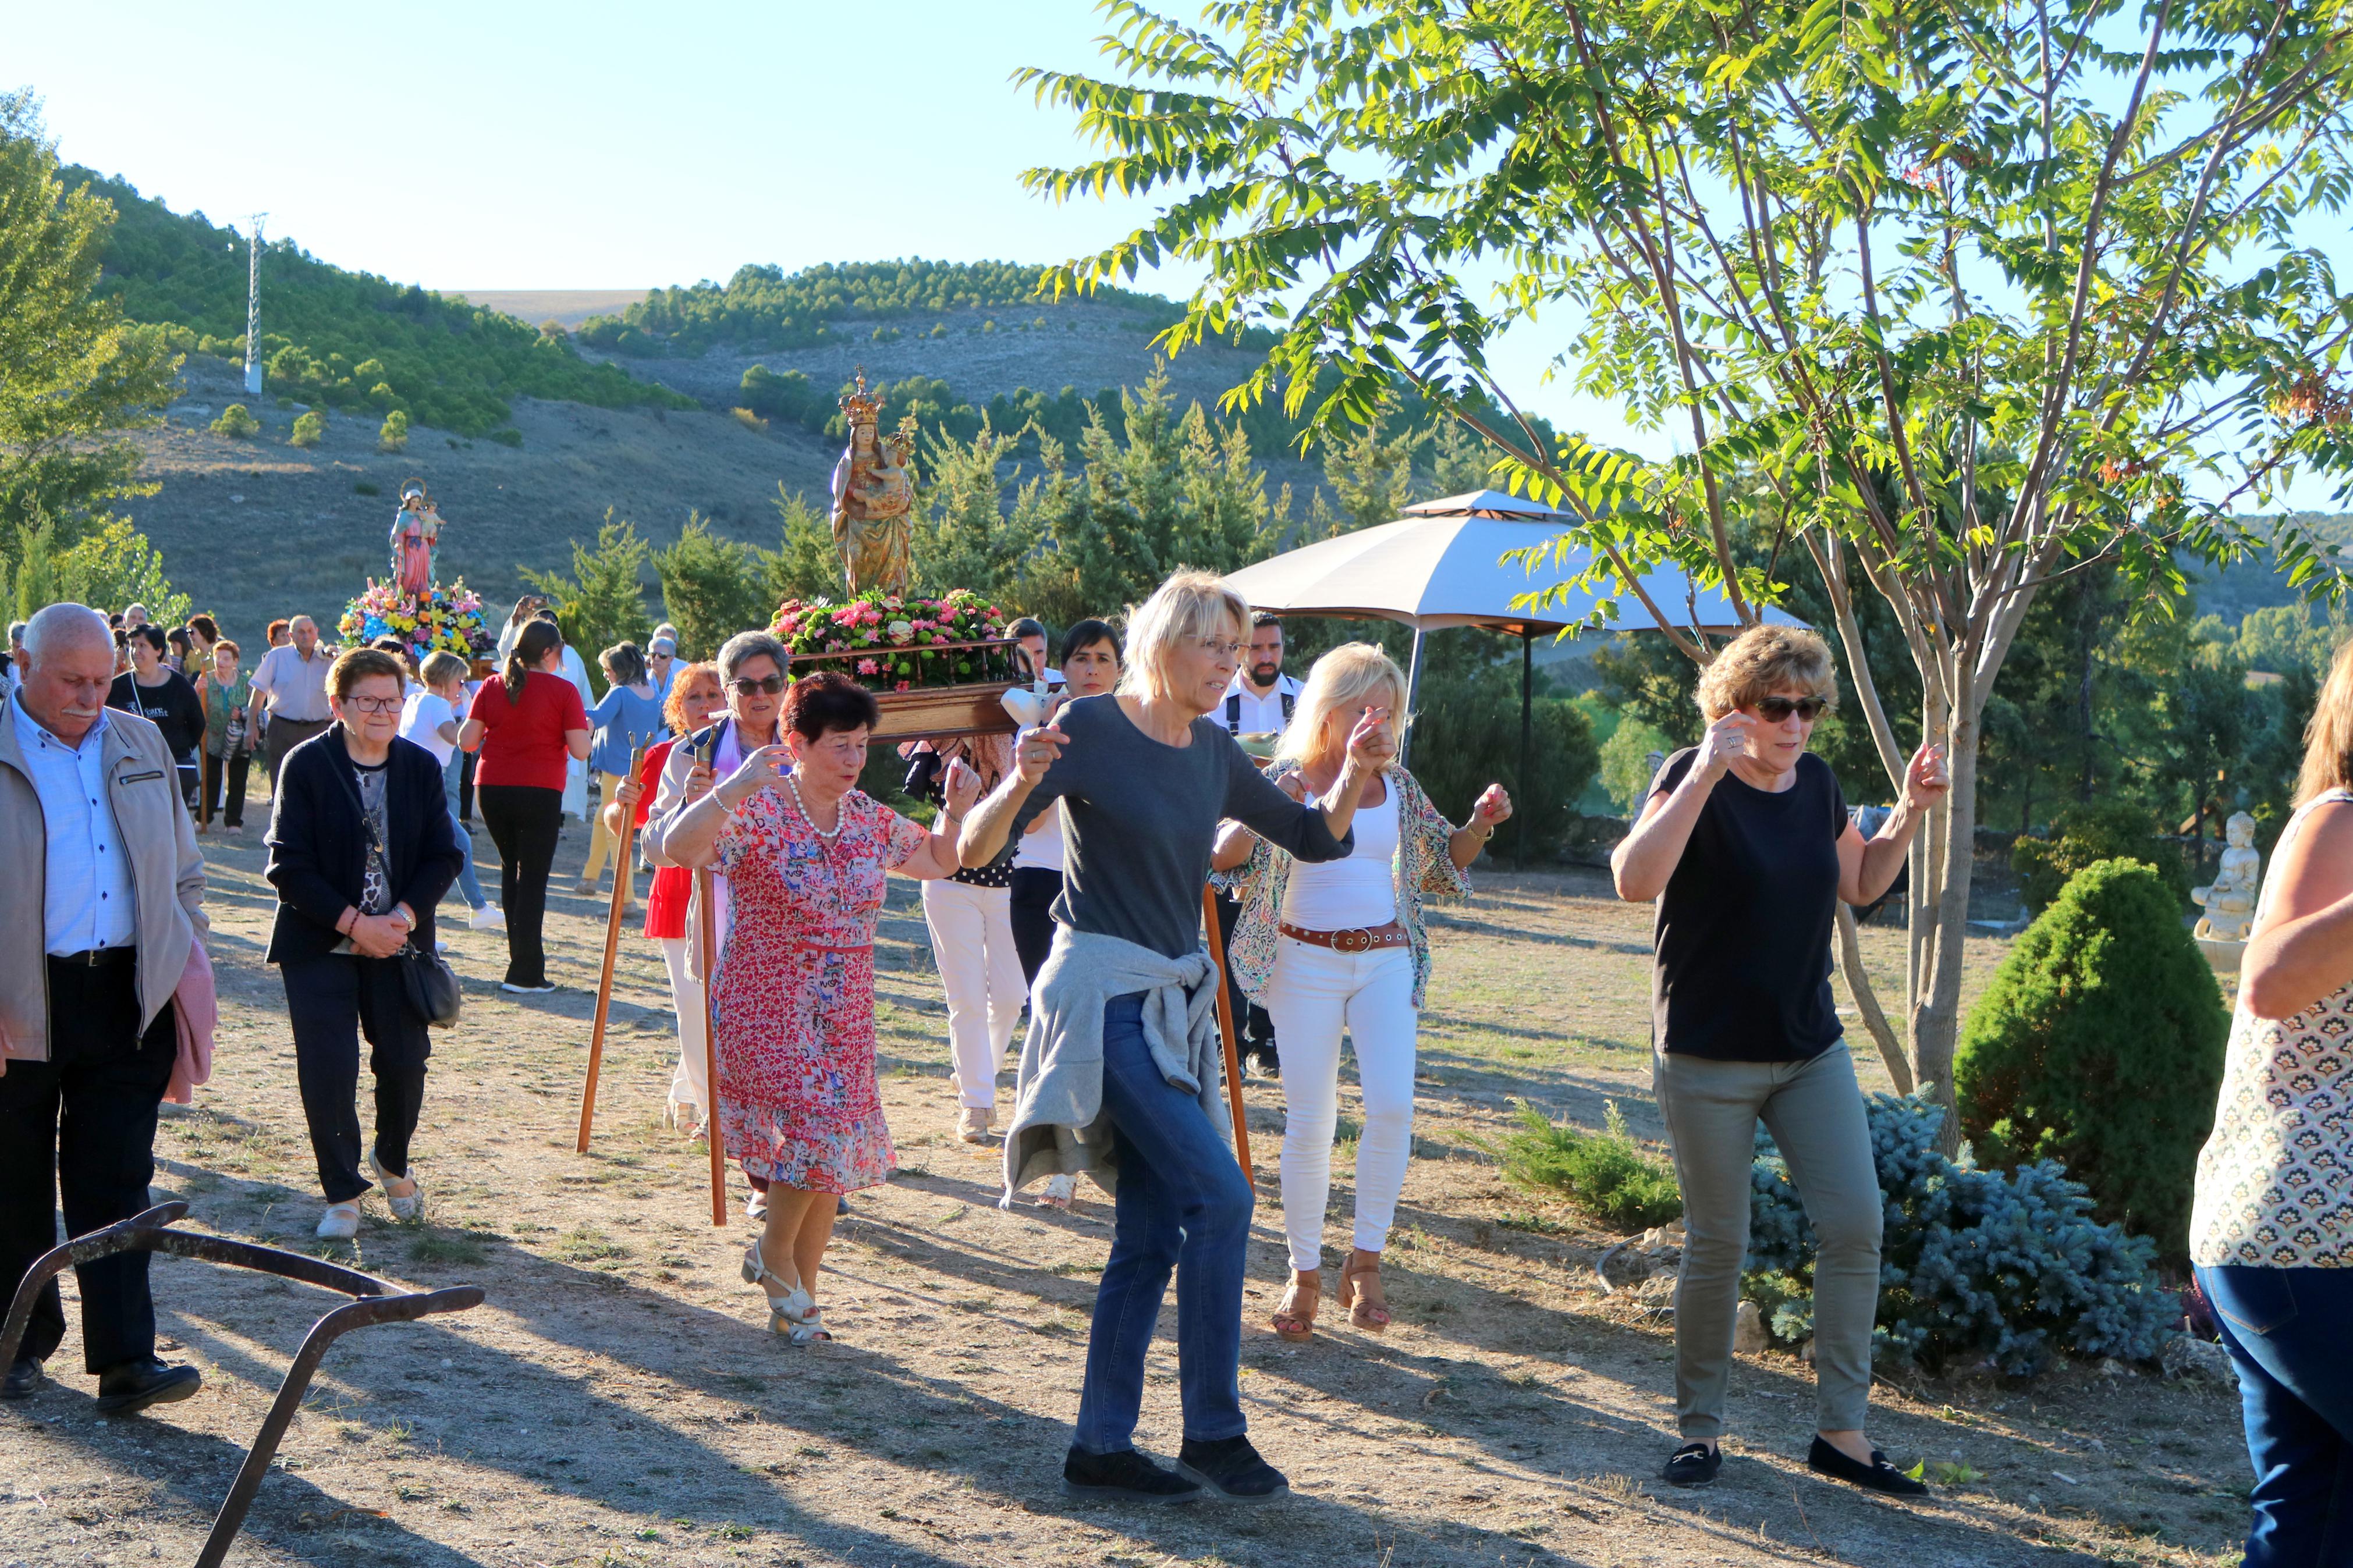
(1120, 1072)
(1342, 943)
(805, 853)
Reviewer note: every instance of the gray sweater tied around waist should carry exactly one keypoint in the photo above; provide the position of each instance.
(1060, 1127)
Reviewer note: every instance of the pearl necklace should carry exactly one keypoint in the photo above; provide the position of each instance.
(801, 805)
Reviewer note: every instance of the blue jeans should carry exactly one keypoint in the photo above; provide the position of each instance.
(468, 883)
(1181, 1204)
(2285, 1330)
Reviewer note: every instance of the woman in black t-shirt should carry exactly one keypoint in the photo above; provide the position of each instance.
(162, 695)
(1746, 845)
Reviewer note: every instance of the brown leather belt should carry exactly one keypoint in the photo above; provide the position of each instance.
(1360, 940)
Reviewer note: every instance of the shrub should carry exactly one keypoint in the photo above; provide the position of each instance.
(604, 601)
(308, 427)
(1607, 1172)
(507, 437)
(2099, 1044)
(236, 420)
(366, 488)
(749, 420)
(1626, 770)
(2084, 833)
(1467, 736)
(394, 436)
(1976, 1263)
(711, 588)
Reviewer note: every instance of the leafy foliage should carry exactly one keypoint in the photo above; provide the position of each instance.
(711, 588)
(1467, 736)
(880, 636)
(1607, 1172)
(604, 601)
(310, 427)
(1976, 1265)
(1627, 768)
(394, 435)
(2099, 1044)
(236, 420)
(109, 567)
(2081, 836)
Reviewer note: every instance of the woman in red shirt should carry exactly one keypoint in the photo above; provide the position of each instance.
(528, 725)
(694, 696)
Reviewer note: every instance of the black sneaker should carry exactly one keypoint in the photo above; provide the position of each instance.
(1878, 1476)
(1126, 1475)
(136, 1385)
(23, 1378)
(1693, 1465)
(1231, 1467)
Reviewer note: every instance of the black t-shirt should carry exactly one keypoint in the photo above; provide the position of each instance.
(1744, 927)
(172, 707)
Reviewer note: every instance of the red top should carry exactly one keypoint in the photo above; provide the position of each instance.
(666, 901)
(523, 742)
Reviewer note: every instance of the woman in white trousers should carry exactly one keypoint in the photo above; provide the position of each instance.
(1341, 945)
(970, 916)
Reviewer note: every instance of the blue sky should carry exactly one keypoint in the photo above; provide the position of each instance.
(504, 145)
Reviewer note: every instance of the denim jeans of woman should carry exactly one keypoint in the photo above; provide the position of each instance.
(2285, 1330)
(468, 883)
(1182, 1205)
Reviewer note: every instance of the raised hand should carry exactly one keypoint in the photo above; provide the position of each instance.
(1493, 806)
(1037, 752)
(1726, 739)
(762, 769)
(1371, 746)
(1926, 780)
(961, 787)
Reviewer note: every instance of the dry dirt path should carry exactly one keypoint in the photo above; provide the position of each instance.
(617, 1400)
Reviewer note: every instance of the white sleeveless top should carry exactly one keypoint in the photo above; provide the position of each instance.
(2275, 1178)
(1356, 892)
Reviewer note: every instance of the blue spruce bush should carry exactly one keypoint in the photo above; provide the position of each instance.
(2006, 1266)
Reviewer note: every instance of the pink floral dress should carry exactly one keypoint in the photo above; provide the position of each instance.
(793, 998)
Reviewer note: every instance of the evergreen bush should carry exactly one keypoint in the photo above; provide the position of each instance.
(1467, 736)
(236, 420)
(1976, 1265)
(711, 588)
(309, 427)
(2099, 1044)
(1606, 1171)
(2084, 833)
(394, 436)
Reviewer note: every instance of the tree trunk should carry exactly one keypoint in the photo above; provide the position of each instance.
(1866, 1000)
(1941, 923)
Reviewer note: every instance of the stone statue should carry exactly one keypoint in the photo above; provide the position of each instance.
(416, 532)
(2229, 901)
(873, 497)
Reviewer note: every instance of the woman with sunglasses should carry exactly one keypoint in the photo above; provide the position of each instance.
(1746, 845)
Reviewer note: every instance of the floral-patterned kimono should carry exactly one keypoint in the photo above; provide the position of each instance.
(793, 998)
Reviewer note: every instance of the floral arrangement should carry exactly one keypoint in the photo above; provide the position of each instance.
(448, 620)
(878, 636)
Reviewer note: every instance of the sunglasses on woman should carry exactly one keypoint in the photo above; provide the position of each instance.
(768, 685)
(1774, 709)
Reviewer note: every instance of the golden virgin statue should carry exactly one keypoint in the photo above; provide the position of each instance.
(874, 497)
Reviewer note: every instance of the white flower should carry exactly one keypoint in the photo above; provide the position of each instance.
(901, 630)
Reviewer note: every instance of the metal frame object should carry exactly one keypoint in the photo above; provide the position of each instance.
(375, 1302)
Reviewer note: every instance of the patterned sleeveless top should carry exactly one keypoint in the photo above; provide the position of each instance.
(2275, 1178)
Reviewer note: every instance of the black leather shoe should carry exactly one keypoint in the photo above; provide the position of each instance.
(1693, 1465)
(1878, 1476)
(22, 1380)
(1126, 1475)
(1231, 1467)
(136, 1385)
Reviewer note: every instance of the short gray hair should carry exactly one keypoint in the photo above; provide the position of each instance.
(746, 646)
(16, 631)
(60, 623)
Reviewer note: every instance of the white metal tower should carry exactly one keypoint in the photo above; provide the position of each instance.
(253, 310)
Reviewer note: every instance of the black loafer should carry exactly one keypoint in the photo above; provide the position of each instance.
(22, 1380)
(1231, 1467)
(1693, 1465)
(1127, 1476)
(1878, 1476)
(136, 1385)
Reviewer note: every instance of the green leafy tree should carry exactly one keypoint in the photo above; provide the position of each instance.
(111, 566)
(711, 588)
(805, 566)
(310, 426)
(2083, 836)
(1628, 765)
(1467, 736)
(2099, 1044)
(394, 435)
(237, 421)
(961, 537)
(75, 375)
(1967, 295)
(604, 601)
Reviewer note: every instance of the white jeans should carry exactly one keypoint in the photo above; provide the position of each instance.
(1313, 993)
(688, 1085)
(972, 941)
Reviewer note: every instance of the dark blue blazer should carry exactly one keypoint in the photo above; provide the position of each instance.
(318, 845)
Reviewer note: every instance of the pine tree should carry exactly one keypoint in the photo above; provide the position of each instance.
(1371, 475)
(805, 566)
(963, 538)
(711, 588)
(604, 601)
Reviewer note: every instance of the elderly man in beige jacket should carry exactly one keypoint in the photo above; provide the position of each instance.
(96, 850)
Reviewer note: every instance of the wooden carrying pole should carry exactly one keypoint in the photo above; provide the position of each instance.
(1226, 1032)
(702, 901)
(622, 883)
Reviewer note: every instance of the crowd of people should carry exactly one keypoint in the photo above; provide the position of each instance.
(1063, 871)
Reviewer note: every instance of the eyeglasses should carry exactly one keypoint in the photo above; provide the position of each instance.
(1221, 648)
(1775, 709)
(766, 685)
(372, 704)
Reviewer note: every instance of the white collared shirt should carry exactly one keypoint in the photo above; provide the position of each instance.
(86, 895)
(296, 687)
(1256, 715)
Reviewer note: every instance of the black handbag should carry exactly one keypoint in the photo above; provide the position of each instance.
(426, 978)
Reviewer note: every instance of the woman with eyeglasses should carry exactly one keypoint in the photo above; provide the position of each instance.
(529, 726)
(1746, 845)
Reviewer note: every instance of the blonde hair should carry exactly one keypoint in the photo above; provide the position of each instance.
(1190, 604)
(2328, 736)
(441, 667)
(1343, 681)
(1761, 661)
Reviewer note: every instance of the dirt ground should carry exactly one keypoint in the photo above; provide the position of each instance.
(618, 1400)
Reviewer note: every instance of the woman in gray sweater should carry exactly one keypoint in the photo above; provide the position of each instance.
(1119, 1073)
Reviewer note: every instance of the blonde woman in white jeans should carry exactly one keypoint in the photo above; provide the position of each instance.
(1340, 945)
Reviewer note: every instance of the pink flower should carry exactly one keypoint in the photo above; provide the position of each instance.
(867, 667)
(939, 638)
(901, 686)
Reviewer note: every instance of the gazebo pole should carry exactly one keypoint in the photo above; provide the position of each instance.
(1412, 699)
(1522, 797)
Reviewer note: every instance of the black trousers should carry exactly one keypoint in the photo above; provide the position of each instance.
(1033, 891)
(236, 768)
(1257, 1027)
(83, 1123)
(331, 1002)
(523, 821)
(465, 786)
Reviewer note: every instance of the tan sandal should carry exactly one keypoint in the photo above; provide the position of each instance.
(1360, 1292)
(1294, 1320)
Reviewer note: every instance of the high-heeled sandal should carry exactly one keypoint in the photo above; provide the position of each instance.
(1295, 1320)
(788, 1313)
(1360, 1292)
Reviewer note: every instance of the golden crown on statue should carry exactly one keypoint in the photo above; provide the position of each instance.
(859, 407)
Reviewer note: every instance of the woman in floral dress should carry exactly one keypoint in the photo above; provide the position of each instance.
(805, 853)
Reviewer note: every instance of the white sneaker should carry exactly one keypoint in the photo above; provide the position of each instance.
(490, 917)
(972, 1122)
(403, 1208)
(510, 985)
(341, 1222)
(440, 946)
